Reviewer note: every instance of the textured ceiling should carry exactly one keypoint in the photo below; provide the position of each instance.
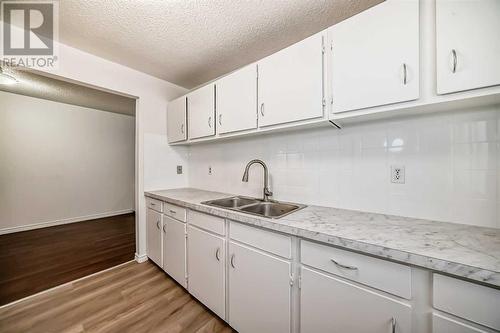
(189, 42)
(39, 86)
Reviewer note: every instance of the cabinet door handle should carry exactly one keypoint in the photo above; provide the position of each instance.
(217, 254)
(220, 119)
(164, 231)
(455, 60)
(352, 268)
(158, 224)
(182, 128)
(232, 261)
(393, 325)
(405, 74)
(210, 121)
(262, 109)
(172, 211)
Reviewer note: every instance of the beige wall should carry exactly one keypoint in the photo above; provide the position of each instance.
(60, 162)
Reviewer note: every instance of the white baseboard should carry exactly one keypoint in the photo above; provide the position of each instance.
(63, 221)
(141, 258)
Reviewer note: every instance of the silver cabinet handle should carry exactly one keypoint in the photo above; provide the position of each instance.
(262, 109)
(393, 325)
(158, 224)
(220, 119)
(405, 74)
(217, 254)
(152, 204)
(172, 211)
(232, 261)
(182, 128)
(455, 60)
(210, 121)
(164, 231)
(352, 268)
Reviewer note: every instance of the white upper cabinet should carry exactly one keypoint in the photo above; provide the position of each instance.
(291, 83)
(375, 57)
(176, 120)
(467, 44)
(236, 96)
(201, 112)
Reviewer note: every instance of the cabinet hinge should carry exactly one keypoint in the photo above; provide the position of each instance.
(300, 282)
(324, 102)
(291, 279)
(323, 49)
(331, 100)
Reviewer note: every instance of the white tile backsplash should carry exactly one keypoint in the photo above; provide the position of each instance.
(451, 163)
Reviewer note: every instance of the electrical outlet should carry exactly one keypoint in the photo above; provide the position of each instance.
(209, 170)
(179, 169)
(397, 174)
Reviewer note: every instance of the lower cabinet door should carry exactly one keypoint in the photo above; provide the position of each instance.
(174, 249)
(259, 291)
(442, 324)
(206, 278)
(331, 305)
(153, 234)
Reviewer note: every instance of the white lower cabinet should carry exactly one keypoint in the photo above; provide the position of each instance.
(259, 291)
(206, 274)
(154, 235)
(328, 304)
(174, 249)
(441, 324)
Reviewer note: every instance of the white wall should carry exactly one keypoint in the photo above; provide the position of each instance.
(153, 95)
(451, 163)
(62, 162)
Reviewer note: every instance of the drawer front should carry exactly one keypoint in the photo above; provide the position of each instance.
(176, 212)
(441, 324)
(467, 300)
(207, 222)
(154, 204)
(380, 274)
(265, 240)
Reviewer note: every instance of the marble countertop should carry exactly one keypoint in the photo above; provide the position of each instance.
(460, 250)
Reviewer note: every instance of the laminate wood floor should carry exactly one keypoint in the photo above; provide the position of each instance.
(36, 260)
(130, 298)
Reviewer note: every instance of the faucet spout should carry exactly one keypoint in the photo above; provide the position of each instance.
(267, 192)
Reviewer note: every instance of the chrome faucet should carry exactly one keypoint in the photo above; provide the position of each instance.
(267, 192)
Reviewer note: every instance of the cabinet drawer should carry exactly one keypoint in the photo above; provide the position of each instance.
(467, 300)
(176, 212)
(381, 274)
(442, 324)
(265, 240)
(154, 204)
(207, 222)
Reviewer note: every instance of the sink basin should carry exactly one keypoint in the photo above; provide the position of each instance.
(233, 202)
(270, 209)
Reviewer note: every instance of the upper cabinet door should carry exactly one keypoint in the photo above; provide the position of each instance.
(375, 57)
(236, 96)
(176, 120)
(467, 44)
(201, 112)
(291, 83)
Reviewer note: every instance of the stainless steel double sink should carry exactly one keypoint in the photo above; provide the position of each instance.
(270, 209)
